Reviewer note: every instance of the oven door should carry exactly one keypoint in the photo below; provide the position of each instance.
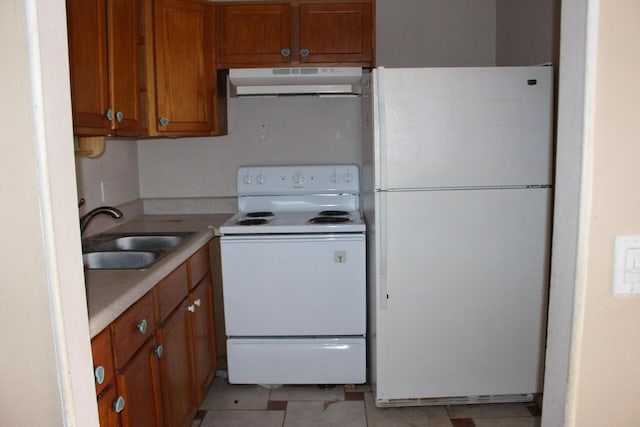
(294, 285)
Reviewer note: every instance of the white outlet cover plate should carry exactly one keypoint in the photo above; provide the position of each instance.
(626, 265)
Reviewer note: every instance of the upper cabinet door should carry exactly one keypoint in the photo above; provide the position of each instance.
(336, 33)
(86, 21)
(124, 72)
(254, 34)
(295, 33)
(103, 66)
(185, 77)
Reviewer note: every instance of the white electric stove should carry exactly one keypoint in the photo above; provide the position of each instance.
(293, 267)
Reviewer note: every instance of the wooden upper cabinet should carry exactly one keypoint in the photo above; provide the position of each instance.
(186, 82)
(87, 37)
(144, 68)
(336, 33)
(254, 34)
(103, 66)
(297, 32)
(124, 74)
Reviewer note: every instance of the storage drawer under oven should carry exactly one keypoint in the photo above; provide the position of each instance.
(294, 285)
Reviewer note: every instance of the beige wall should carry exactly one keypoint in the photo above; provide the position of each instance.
(435, 33)
(285, 130)
(45, 361)
(31, 344)
(606, 368)
(527, 31)
(117, 168)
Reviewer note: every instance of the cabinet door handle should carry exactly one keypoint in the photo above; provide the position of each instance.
(98, 372)
(164, 121)
(158, 351)
(118, 404)
(304, 52)
(285, 52)
(191, 308)
(142, 326)
(119, 116)
(197, 302)
(109, 114)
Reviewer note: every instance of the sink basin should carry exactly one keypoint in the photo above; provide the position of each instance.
(140, 242)
(133, 241)
(119, 260)
(128, 251)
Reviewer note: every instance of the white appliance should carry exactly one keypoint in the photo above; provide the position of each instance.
(456, 195)
(295, 81)
(294, 277)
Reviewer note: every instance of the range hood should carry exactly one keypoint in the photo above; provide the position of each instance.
(295, 81)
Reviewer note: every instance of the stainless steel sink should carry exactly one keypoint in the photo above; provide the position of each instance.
(119, 260)
(128, 251)
(140, 242)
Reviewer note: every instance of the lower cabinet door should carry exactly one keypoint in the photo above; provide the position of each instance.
(176, 367)
(205, 357)
(138, 384)
(106, 407)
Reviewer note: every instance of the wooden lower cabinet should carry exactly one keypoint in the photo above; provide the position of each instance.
(106, 411)
(188, 363)
(205, 358)
(139, 385)
(176, 367)
(163, 351)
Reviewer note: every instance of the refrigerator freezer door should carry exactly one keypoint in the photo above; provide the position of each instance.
(464, 127)
(466, 281)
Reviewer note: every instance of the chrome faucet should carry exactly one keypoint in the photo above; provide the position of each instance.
(106, 210)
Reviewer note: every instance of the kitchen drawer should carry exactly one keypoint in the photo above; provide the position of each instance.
(198, 266)
(170, 292)
(103, 369)
(132, 328)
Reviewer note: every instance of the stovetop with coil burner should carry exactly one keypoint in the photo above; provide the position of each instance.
(297, 199)
(294, 222)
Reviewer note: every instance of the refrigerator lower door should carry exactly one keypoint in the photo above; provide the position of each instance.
(462, 311)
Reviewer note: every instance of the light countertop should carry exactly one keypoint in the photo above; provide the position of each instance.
(111, 292)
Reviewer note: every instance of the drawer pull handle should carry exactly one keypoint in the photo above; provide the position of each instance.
(118, 404)
(164, 121)
(109, 114)
(159, 350)
(304, 52)
(191, 308)
(98, 372)
(285, 52)
(142, 326)
(119, 116)
(197, 302)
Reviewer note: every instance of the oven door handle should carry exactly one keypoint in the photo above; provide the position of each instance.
(382, 250)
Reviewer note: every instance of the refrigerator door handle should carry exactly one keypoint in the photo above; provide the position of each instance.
(380, 131)
(382, 233)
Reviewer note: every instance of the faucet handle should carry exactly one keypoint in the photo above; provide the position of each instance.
(81, 202)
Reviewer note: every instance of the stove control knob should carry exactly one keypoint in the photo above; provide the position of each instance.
(247, 179)
(298, 178)
(347, 177)
(334, 178)
(260, 179)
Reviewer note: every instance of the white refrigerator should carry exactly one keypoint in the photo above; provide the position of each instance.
(457, 174)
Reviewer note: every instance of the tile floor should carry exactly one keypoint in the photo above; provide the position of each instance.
(352, 406)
